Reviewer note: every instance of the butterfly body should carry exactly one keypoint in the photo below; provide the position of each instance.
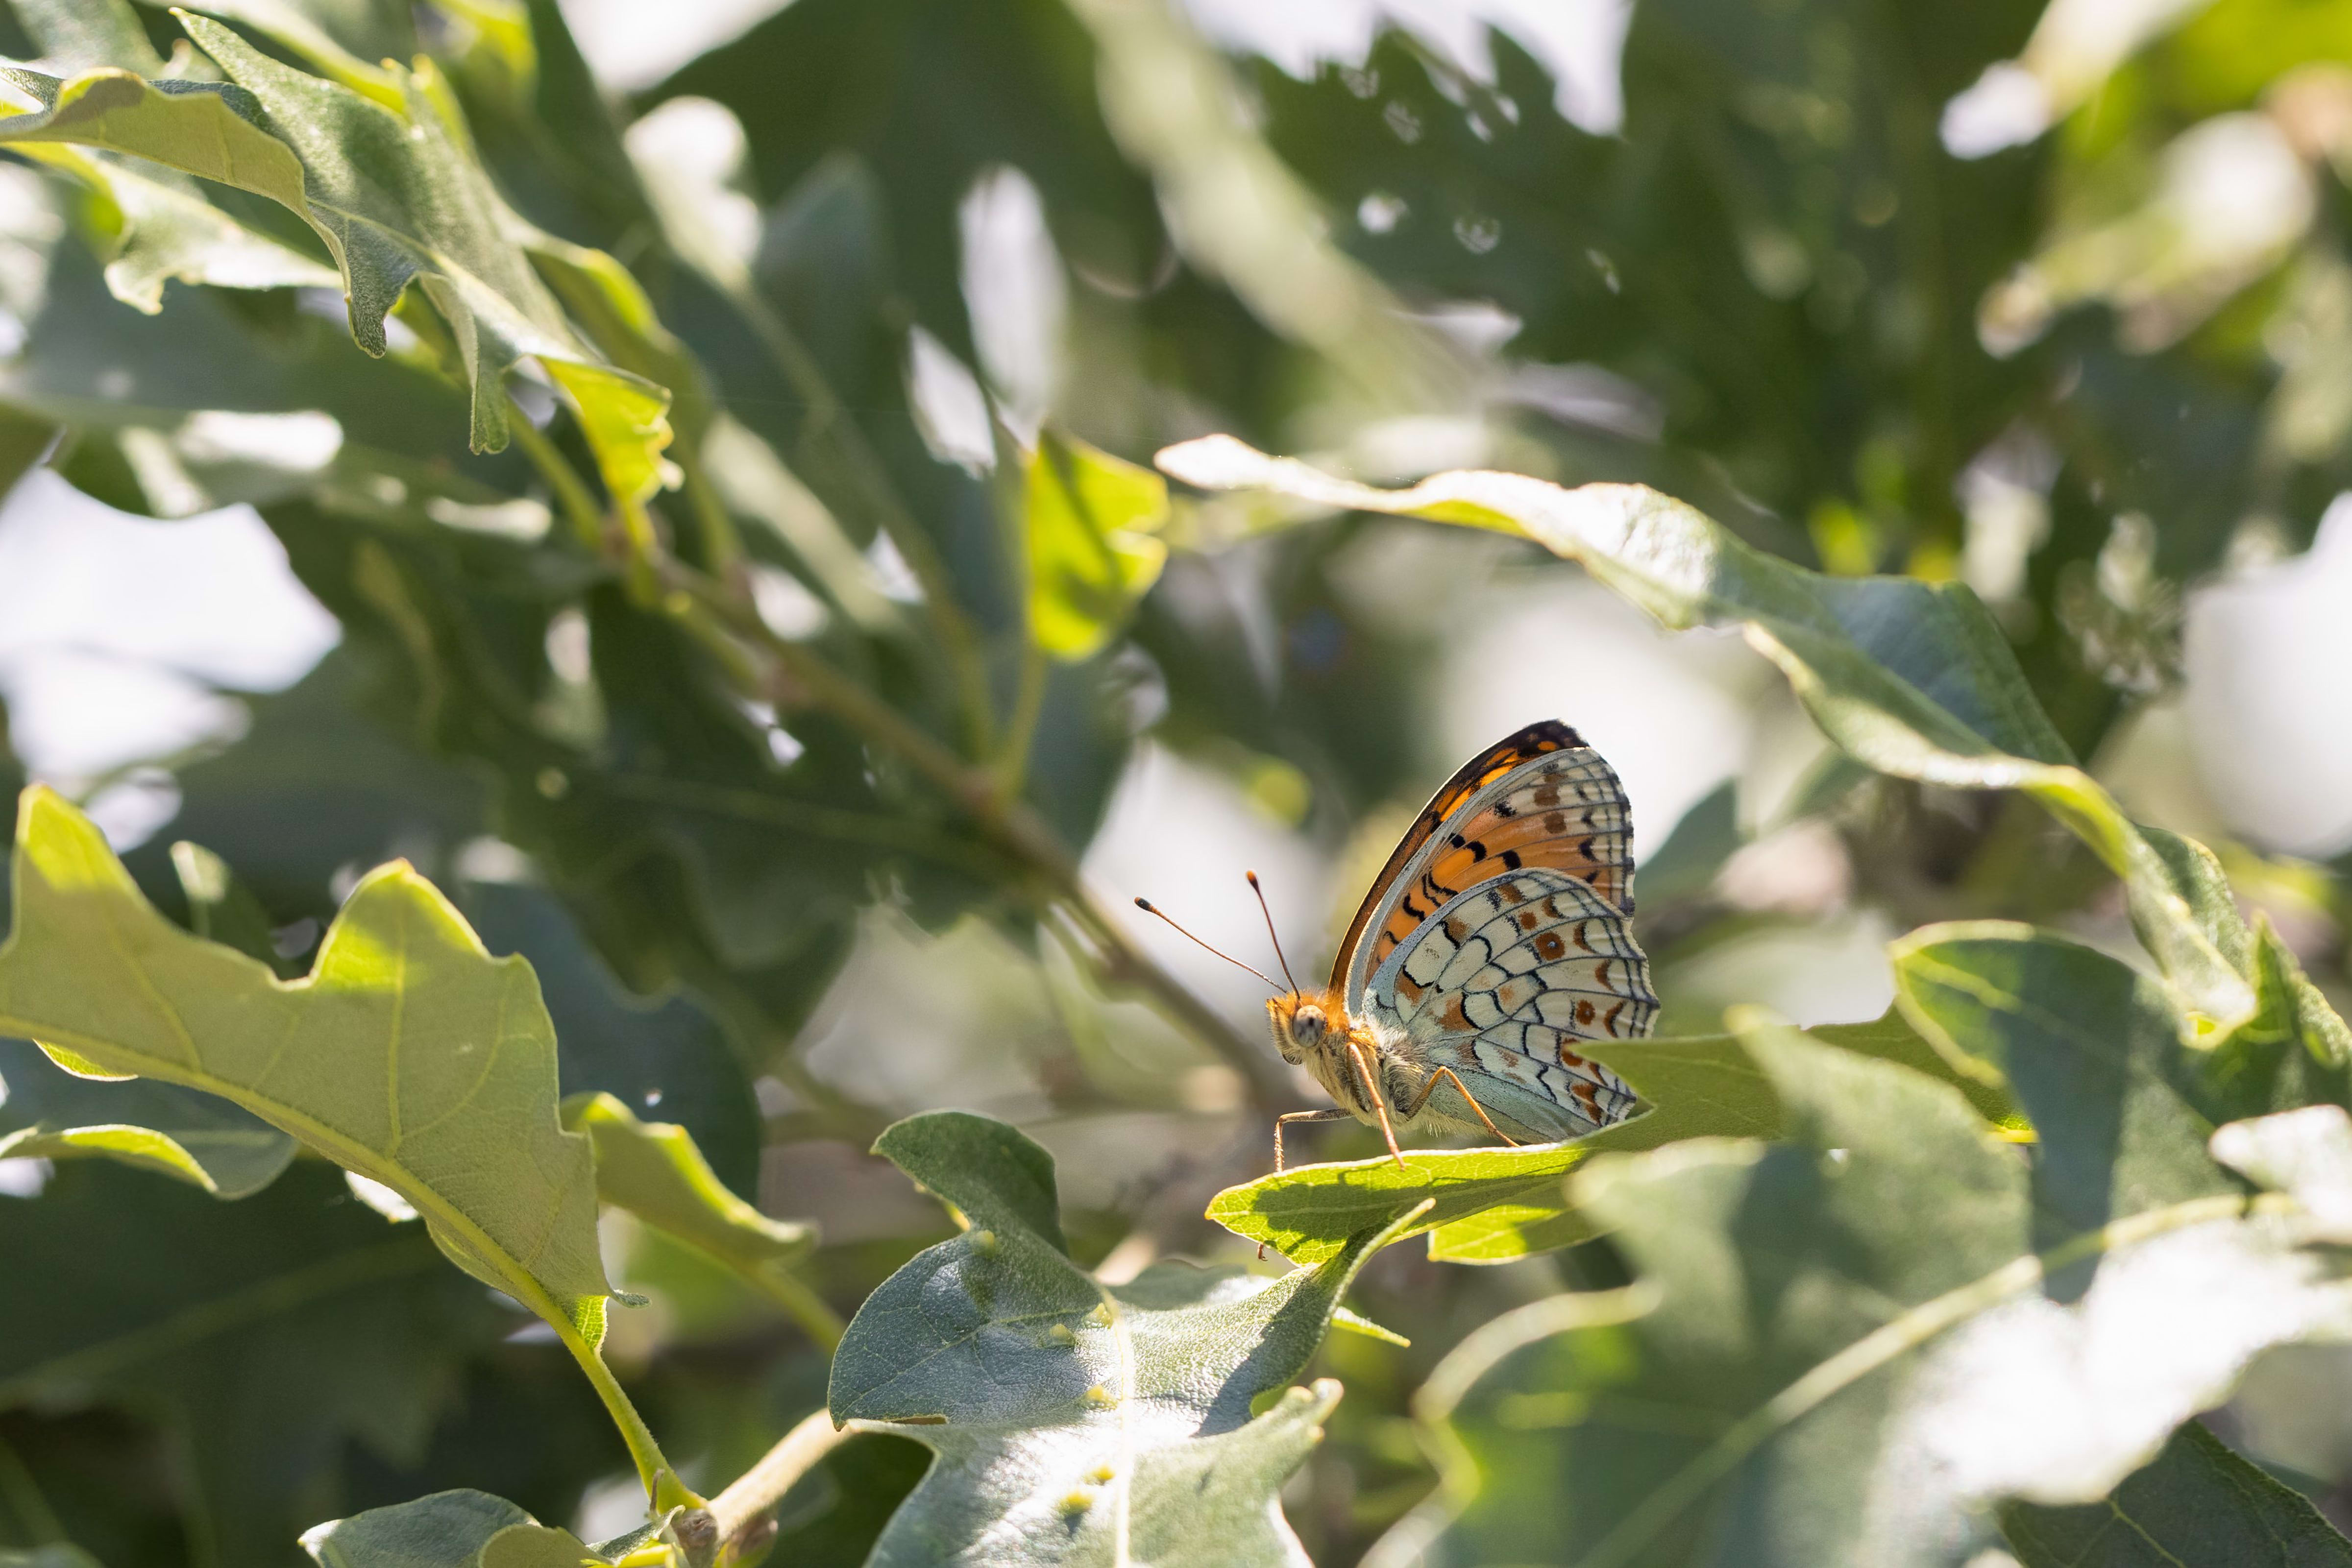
(1497, 937)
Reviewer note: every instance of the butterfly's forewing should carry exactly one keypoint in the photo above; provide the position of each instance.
(1391, 899)
(1502, 936)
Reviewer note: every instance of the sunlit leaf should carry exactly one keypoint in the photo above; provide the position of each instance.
(2196, 1503)
(407, 1055)
(1854, 1350)
(1091, 519)
(1077, 1422)
(654, 1170)
(396, 197)
(1490, 1206)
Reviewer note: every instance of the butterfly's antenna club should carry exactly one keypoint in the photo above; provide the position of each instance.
(1149, 907)
(1262, 909)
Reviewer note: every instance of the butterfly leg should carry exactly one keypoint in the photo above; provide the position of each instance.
(1333, 1115)
(1459, 1088)
(1379, 1104)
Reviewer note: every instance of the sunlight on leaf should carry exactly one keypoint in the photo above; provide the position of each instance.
(1077, 1422)
(1092, 551)
(408, 1054)
(1853, 1335)
(396, 196)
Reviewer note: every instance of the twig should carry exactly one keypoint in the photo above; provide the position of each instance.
(959, 644)
(574, 498)
(815, 1316)
(736, 1522)
(1016, 829)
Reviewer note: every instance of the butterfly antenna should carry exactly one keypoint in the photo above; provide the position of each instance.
(1149, 907)
(1262, 909)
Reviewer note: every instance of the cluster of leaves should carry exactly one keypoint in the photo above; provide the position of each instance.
(715, 594)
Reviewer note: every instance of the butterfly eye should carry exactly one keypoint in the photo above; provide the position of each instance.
(1309, 1024)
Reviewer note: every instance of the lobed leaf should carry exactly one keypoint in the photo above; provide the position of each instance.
(1077, 1422)
(397, 198)
(407, 1055)
(1911, 678)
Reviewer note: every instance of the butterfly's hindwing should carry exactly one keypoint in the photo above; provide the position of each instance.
(1503, 981)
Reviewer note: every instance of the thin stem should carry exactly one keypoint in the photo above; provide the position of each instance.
(1021, 732)
(26, 1500)
(722, 547)
(749, 1498)
(816, 1317)
(959, 643)
(663, 1488)
(1016, 829)
(574, 498)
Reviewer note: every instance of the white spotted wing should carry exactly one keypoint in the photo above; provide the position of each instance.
(1502, 936)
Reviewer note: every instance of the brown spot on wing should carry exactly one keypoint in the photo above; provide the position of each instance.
(1549, 946)
(1456, 1019)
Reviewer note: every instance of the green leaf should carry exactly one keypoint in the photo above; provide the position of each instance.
(1091, 521)
(60, 1556)
(654, 1170)
(2197, 1501)
(1493, 1205)
(460, 1529)
(1912, 678)
(265, 1337)
(89, 33)
(1311, 1214)
(160, 229)
(395, 196)
(447, 1530)
(201, 1139)
(1077, 1422)
(407, 1055)
(2075, 1033)
(1851, 1349)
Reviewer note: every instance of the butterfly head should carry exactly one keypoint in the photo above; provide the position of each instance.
(1303, 1024)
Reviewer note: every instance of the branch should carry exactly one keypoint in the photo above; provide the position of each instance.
(736, 1524)
(1016, 828)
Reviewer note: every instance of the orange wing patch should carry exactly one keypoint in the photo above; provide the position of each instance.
(1568, 816)
(1489, 767)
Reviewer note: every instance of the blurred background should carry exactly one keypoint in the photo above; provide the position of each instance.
(2055, 301)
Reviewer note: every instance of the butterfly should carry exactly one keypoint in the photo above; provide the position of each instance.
(1497, 937)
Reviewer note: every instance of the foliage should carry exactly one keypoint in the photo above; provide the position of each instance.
(746, 512)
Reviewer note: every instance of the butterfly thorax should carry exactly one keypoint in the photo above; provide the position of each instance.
(1313, 1029)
